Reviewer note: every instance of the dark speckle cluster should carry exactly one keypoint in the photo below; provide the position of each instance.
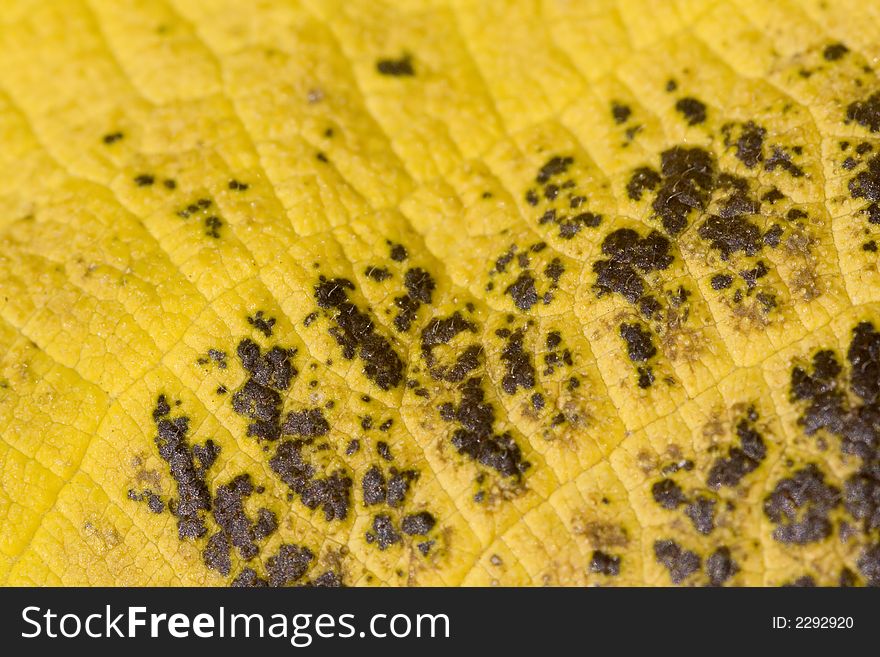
(847, 407)
(356, 334)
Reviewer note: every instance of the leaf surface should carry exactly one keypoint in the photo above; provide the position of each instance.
(439, 292)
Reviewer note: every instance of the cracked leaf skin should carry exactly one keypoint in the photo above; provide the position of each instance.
(439, 293)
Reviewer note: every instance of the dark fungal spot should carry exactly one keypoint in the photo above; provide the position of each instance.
(720, 566)
(866, 112)
(650, 307)
(671, 85)
(476, 436)
(772, 196)
(641, 179)
(193, 497)
(735, 200)
(267, 522)
(216, 554)
(861, 496)
(721, 281)
(420, 287)
(271, 369)
(154, 502)
(441, 331)
(418, 524)
(805, 581)
(639, 344)
(869, 564)
(604, 563)
(378, 274)
(169, 183)
(398, 486)
(731, 234)
(554, 271)
(353, 447)
(467, 361)
(866, 185)
(259, 398)
(523, 291)
(520, 373)
(506, 258)
(538, 401)
(356, 334)
(384, 533)
(830, 408)
(447, 411)
(398, 252)
(620, 112)
(870, 246)
(751, 276)
(383, 450)
(555, 166)
(847, 578)
(195, 207)
(331, 493)
(112, 137)
(237, 529)
(288, 565)
(206, 454)
(680, 563)
(693, 110)
(834, 51)
(629, 257)
(328, 580)
(571, 226)
(248, 578)
(401, 67)
(750, 144)
(668, 494)
(646, 377)
(773, 235)
(262, 323)
(213, 224)
(309, 423)
(238, 186)
(781, 159)
(686, 465)
(742, 460)
(702, 514)
(767, 301)
(374, 486)
(321, 157)
(144, 180)
(873, 213)
(799, 506)
(688, 178)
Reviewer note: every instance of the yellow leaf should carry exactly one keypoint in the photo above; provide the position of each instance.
(439, 292)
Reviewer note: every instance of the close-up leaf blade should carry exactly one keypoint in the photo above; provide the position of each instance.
(439, 293)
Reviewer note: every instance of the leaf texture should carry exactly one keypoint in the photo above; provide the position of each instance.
(439, 292)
